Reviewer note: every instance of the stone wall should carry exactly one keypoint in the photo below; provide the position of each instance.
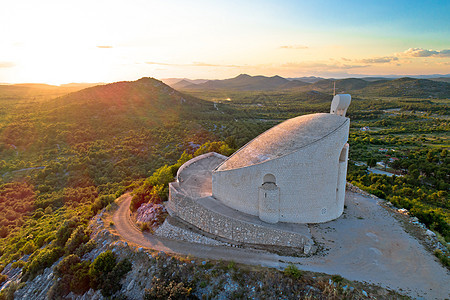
(184, 207)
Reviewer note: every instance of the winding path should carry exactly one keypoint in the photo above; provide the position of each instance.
(366, 244)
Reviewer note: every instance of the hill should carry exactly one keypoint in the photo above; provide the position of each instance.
(371, 86)
(146, 98)
(181, 84)
(408, 87)
(172, 81)
(243, 82)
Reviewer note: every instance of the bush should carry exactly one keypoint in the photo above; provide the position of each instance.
(292, 271)
(337, 278)
(162, 290)
(77, 238)
(80, 282)
(100, 267)
(42, 260)
(444, 259)
(67, 265)
(105, 273)
(65, 231)
(73, 277)
(144, 226)
(3, 278)
(28, 248)
(86, 248)
(102, 202)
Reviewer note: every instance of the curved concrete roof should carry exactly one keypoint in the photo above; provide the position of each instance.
(283, 139)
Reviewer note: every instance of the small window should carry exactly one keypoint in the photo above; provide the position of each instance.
(269, 178)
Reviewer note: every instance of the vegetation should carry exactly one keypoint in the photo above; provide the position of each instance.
(63, 158)
(78, 276)
(292, 271)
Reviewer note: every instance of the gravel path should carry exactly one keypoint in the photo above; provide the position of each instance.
(365, 244)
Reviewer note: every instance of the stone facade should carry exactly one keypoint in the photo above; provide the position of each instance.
(232, 229)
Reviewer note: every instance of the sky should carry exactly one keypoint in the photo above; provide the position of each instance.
(67, 41)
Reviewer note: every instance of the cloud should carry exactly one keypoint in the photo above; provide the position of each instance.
(104, 47)
(6, 64)
(194, 64)
(302, 47)
(420, 52)
(379, 60)
(321, 66)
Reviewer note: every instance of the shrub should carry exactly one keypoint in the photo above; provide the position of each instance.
(86, 248)
(28, 248)
(101, 202)
(162, 290)
(65, 231)
(292, 271)
(3, 278)
(18, 264)
(73, 277)
(42, 260)
(100, 267)
(77, 238)
(144, 226)
(3, 231)
(80, 282)
(105, 273)
(445, 260)
(337, 278)
(67, 265)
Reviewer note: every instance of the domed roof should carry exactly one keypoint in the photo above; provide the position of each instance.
(284, 138)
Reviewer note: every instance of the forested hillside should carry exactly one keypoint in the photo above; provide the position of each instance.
(62, 159)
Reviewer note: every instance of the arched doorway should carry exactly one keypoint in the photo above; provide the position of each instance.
(269, 199)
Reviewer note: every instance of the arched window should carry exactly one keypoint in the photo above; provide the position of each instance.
(343, 154)
(269, 178)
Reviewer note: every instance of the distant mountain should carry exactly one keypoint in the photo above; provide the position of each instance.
(243, 82)
(381, 86)
(441, 79)
(181, 84)
(294, 84)
(172, 81)
(370, 79)
(309, 79)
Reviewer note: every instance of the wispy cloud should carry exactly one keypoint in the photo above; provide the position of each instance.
(298, 47)
(194, 64)
(104, 47)
(379, 60)
(6, 64)
(420, 52)
(321, 66)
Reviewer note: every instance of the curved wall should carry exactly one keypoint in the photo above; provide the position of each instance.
(309, 182)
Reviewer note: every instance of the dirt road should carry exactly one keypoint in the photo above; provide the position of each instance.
(365, 244)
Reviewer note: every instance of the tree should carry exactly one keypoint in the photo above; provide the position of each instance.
(371, 162)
